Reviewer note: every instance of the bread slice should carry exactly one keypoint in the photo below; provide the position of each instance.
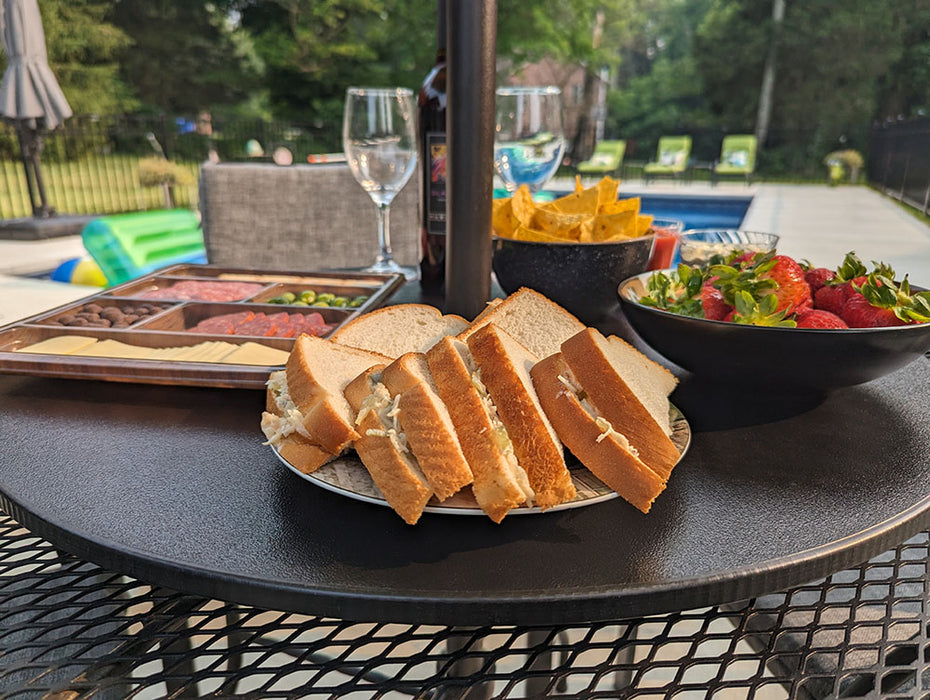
(382, 448)
(395, 330)
(318, 372)
(281, 428)
(426, 422)
(622, 385)
(500, 484)
(533, 320)
(505, 371)
(605, 452)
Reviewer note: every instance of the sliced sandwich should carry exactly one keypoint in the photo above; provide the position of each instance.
(500, 483)
(424, 418)
(531, 319)
(609, 406)
(309, 407)
(504, 366)
(395, 330)
(382, 446)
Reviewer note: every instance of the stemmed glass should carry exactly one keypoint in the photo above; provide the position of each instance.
(380, 143)
(528, 140)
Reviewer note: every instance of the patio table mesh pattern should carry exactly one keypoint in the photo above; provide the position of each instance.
(69, 629)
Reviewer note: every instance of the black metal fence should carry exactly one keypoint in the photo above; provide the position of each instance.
(111, 164)
(899, 161)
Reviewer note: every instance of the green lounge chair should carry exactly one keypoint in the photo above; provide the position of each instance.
(672, 158)
(606, 159)
(737, 157)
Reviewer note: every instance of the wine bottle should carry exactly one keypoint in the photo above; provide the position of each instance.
(431, 126)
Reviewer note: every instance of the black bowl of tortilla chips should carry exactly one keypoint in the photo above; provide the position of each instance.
(575, 250)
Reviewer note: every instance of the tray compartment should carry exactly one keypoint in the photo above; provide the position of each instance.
(188, 288)
(263, 320)
(104, 312)
(346, 291)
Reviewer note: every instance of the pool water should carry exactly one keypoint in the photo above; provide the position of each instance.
(696, 211)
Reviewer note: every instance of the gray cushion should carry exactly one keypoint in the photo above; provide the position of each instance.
(300, 217)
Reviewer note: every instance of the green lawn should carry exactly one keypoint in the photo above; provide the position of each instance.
(96, 185)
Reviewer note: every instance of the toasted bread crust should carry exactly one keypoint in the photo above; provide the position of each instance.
(303, 455)
(433, 441)
(493, 487)
(608, 458)
(420, 325)
(406, 372)
(534, 441)
(399, 481)
(297, 450)
(324, 412)
(518, 313)
(616, 402)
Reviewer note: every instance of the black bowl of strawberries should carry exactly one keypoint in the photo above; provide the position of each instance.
(766, 320)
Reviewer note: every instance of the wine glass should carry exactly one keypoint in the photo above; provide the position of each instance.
(528, 140)
(380, 143)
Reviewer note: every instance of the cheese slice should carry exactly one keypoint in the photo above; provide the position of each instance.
(255, 354)
(59, 345)
(115, 349)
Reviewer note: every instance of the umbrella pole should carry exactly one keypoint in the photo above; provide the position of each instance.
(44, 209)
(25, 151)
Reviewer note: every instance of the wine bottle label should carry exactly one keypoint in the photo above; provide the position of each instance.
(436, 200)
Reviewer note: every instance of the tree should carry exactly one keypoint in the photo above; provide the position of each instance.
(584, 34)
(832, 57)
(314, 49)
(185, 56)
(83, 53)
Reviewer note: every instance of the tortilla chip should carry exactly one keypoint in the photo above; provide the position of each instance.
(555, 222)
(606, 192)
(621, 205)
(523, 206)
(524, 233)
(502, 219)
(584, 202)
(611, 227)
(578, 185)
(643, 222)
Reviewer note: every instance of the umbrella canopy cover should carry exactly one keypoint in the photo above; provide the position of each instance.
(29, 93)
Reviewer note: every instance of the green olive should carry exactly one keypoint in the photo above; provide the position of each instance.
(326, 296)
(299, 303)
(277, 300)
(341, 301)
(320, 304)
(358, 301)
(308, 295)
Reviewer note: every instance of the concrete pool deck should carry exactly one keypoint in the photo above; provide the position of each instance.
(815, 222)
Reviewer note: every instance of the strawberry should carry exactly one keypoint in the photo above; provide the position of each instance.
(817, 277)
(859, 313)
(879, 302)
(818, 318)
(831, 298)
(792, 291)
(715, 306)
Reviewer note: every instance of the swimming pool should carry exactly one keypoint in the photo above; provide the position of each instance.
(696, 211)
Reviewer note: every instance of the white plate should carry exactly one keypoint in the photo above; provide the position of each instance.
(347, 476)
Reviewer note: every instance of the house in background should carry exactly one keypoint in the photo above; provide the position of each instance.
(570, 79)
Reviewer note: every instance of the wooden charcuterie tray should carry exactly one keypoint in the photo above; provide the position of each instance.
(176, 339)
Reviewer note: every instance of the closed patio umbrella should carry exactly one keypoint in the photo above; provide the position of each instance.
(30, 97)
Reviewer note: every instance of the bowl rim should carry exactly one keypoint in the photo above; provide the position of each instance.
(684, 235)
(637, 239)
(641, 277)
